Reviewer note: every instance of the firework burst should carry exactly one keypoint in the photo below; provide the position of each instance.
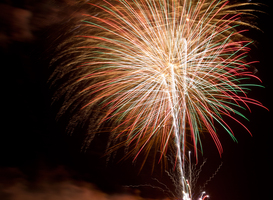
(157, 72)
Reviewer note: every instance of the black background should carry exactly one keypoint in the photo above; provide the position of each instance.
(34, 145)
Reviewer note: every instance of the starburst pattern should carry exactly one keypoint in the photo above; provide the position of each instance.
(157, 70)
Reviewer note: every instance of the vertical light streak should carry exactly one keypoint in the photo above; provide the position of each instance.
(172, 99)
(184, 106)
(175, 107)
(189, 171)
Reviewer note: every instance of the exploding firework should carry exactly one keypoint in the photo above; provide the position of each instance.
(158, 73)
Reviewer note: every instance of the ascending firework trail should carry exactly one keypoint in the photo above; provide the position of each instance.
(158, 72)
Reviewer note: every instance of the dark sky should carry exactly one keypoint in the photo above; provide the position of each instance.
(38, 159)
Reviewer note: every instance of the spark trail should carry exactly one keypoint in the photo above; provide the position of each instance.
(158, 72)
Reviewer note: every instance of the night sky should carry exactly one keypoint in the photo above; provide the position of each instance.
(39, 160)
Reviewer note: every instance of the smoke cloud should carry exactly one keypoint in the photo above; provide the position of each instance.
(52, 185)
(22, 22)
